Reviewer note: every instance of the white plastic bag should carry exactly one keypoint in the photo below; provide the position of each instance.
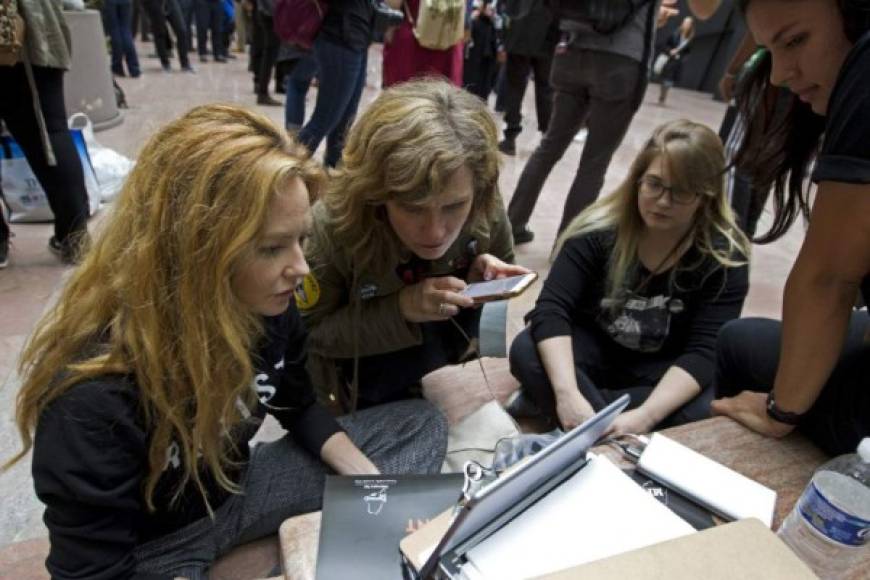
(110, 167)
(660, 63)
(24, 194)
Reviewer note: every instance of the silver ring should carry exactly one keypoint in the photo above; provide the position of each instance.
(441, 309)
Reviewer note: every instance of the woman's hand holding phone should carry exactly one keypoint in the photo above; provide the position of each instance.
(487, 267)
(433, 299)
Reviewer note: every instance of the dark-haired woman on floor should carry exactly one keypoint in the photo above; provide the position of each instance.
(811, 371)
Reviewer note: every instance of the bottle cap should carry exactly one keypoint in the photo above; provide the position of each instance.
(864, 449)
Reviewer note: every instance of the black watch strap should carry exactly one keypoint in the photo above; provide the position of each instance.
(777, 414)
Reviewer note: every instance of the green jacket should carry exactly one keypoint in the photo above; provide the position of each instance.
(347, 316)
(47, 36)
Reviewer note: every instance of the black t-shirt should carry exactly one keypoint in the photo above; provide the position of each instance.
(90, 458)
(845, 154)
(349, 22)
(673, 315)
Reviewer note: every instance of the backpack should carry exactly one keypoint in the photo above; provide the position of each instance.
(605, 16)
(299, 21)
(11, 33)
(440, 23)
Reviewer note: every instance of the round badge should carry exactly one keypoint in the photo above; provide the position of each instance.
(307, 293)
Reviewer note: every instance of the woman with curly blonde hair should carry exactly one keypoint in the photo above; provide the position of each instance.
(642, 281)
(144, 385)
(412, 215)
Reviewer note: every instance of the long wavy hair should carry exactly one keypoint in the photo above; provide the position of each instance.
(406, 146)
(153, 300)
(696, 160)
(783, 139)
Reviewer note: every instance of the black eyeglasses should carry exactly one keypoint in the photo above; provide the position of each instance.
(652, 187)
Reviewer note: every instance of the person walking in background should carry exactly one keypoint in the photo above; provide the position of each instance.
(34, 111)
(530, 37)
(599, 79)
(677, 48)
(118, 15)
(268, 44)
(161, 12)
(341, 52)
(482, 48)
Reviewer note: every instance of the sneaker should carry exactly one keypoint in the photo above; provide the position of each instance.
(4, 253)
(508, 147)
(520, 406)
(522, 234)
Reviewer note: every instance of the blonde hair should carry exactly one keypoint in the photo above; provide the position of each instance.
(696, 160)
(153, 297)
(406, 146)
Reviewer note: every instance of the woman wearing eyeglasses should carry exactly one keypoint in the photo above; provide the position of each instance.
(642, 281)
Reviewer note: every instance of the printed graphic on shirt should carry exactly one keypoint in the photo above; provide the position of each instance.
(637, 322)
(264, 385)
(307, 293)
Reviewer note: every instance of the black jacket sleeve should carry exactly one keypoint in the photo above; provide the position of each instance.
(720, 299)
(573, 284)
(295, 405)
(89, 460)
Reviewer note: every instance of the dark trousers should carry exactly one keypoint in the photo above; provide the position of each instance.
(141, 23)
(161, 12)
(517, 71)
(64, 183)
(342, 74)
(298, 81)
(188, 14)
(594, 89)
(210, 17)
(748, 356)
(264, 52)
(394, 376)
(596, 363)
(118, 16)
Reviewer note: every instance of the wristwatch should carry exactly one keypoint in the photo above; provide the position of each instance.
(777, 414)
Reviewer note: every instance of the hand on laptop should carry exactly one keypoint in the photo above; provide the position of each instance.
(636, 421)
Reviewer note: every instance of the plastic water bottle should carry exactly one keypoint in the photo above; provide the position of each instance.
(829, 527)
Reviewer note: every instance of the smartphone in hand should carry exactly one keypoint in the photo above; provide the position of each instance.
(501, 289)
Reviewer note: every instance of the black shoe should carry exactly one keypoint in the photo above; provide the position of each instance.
(268, 101)
(166, 67)
(65, 252)
(203, 58)
(118, 72)
(220, 59)
(508, 147)
(4, 252)
(520, 406)
(280, 89)
(522, 234)
(188, 69)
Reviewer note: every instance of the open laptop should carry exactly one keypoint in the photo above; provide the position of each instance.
(498, 503)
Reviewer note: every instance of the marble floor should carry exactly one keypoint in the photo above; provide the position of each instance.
(34, 275)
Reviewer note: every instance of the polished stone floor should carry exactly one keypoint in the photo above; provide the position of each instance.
(34, 275)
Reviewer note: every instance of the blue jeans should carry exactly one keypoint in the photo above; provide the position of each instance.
(298, 83)
(118, 16)
(342, 73)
